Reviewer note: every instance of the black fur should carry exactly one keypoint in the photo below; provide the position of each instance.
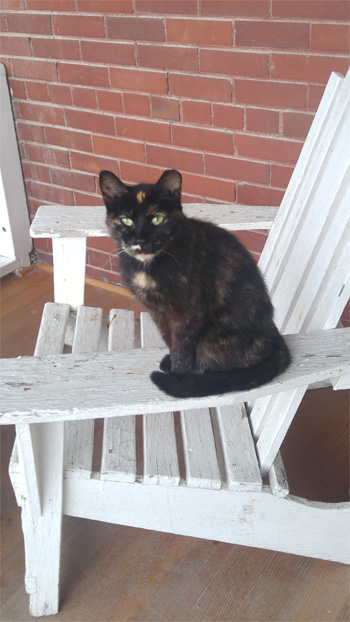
(202, 288)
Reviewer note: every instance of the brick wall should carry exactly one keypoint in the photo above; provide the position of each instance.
(223, 90)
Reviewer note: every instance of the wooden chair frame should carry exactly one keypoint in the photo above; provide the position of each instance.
(202, 468)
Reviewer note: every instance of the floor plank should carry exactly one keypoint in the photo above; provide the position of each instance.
(120, 573)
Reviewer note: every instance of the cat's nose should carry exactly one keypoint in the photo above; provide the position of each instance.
(142, 242)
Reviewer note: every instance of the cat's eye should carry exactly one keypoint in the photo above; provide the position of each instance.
(127, 221)
(157, 220)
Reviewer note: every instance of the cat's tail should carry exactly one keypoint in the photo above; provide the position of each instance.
(216, 383)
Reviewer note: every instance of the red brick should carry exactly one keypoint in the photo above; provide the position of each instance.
(199, 31)
(165, 108)
(50, 194)
(185, 7)
(40, 113)
(280, 175)
(138, 80)
(134, 173)
(314, 96)
(84, 97)
(330, 38)
(34, 69)
(268, 149)
(258, 195)
(271, 94)
(91, 121)
(228, 115)
(237, 169)
(65, 49)
(265, 121)
(78, 26)
(241, 8)
(60, 94)
(306, 68)
(13, 5)
(17, 89)
(207, 187)
(102, 244)
(51, 5)
(97, 259)
(322, 9)
(68, 138)
(88, 199)
(151, 131)
(235, 63)
(167, 57)
(15, 46)
(83, 74)
(193, 86)
(105, 6)
(196, 112)
(168, 157)
(136, 104)
(254, 241)
(37, 91)
(203, 139)
(92, 163)
(30, 132)
(109, 100)
(135, 28)
(272, 34)
(71, 179)
(115, 147)
(112, 52)
(30, 24)
(296, 124)
(36, 172)
(47, 155)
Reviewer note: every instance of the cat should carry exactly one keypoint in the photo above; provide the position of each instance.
(202, 287)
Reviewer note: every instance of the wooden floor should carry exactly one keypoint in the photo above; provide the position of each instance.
(120, 573)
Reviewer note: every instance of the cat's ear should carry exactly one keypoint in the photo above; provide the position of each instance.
(170, 182)
(111, 187)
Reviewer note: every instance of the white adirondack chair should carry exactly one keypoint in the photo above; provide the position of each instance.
(53, 398)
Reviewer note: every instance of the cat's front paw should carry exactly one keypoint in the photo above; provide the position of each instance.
(165, 364)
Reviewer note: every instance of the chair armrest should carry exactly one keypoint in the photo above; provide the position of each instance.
(67, 387)
(55, 221)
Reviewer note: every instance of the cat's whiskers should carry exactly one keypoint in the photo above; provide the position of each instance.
(170, 255)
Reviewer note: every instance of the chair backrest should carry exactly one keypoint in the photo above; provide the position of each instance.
(306, 259)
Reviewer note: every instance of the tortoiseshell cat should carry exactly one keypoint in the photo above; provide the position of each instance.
(201, 286)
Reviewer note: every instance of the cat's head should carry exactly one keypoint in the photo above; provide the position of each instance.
(141, 218)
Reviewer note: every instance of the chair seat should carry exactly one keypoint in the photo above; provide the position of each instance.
(204, 448)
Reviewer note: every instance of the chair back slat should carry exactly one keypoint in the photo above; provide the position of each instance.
(309, 225)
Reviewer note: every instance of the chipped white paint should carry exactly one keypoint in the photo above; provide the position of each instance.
(36, 389)
(305, 260)
(119, 435)
(222, 497)
(258, 519)
(55, 221)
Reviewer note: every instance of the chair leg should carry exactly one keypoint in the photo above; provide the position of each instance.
(41, 459)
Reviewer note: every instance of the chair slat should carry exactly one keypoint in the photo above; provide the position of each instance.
(308, 245)
(52, 329)
(278, 478)
(232, 431)
(79, 435)
(119, 438)
(161, 465)
(202, 469)
(160, 459)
